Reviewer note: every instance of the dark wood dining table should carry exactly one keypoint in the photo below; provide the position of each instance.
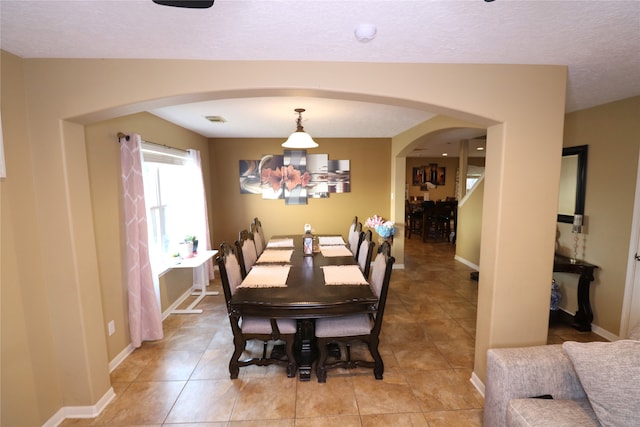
(306, 297)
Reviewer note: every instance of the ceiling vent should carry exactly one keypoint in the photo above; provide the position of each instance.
(215, 119)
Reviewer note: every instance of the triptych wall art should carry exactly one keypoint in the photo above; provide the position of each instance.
(295, 176)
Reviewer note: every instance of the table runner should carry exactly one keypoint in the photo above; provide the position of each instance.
(266, 276)
(280, 243)
(343, 275)
(330, 240)
(275, 256)
(332, 251)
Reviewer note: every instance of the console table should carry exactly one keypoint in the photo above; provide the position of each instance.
(584, 316)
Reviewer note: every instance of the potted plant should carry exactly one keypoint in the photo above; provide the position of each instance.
(194, 242)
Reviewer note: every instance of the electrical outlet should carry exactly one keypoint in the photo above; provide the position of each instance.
(112, 327)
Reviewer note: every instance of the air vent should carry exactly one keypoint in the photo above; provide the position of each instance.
(215, 119)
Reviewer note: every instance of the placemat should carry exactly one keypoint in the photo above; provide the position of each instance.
(330, 240)
(331, 251)
(266, 276)
(280, 243)
(343, 275)
(275, 256)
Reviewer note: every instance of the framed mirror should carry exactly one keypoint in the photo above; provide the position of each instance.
(573, 183)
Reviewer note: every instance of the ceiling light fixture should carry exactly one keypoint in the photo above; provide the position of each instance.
(299, 139)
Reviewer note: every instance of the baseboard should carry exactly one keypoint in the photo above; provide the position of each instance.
(477, 383)
(120, 357)
(466, 262)
(81, 411)
(567, 317)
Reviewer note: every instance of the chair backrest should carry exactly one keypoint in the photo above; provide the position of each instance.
(352, 228)
(257, 239)
(365, 253)
(246, 249)
(380, 278)
(257, 226)
(230, 274)
(354, 238)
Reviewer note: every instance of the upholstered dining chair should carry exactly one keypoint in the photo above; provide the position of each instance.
(357, 327)
(354, 236)
(365, 253)
(247, 255)
(257, 240)
(249, 328)
(258, 236)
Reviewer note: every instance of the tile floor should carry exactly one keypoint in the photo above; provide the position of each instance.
(427, 346)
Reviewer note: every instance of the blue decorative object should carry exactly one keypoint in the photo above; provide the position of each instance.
(556, 296)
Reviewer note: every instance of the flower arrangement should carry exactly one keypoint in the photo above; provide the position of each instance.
(287, 175)
(385, 229)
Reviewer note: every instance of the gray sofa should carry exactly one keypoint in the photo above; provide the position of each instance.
(569, 384)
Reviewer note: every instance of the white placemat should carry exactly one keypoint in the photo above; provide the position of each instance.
(331, 251)
(330, 240)
(343, 275)
(275, 256)
(266, 276)
(280, 243)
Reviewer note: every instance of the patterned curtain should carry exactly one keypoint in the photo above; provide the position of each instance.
(201, 204)
(145, 322)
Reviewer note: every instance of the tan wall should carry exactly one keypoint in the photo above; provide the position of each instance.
(370, 186)
(69, 363)
(470, 226)
(103, 160)
(612, 132)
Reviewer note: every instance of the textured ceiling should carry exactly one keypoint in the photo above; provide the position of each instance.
(599, 41)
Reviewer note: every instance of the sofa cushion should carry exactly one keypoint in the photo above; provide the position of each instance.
(609, 373)
(547, 412)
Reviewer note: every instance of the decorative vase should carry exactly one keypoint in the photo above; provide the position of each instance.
(185, 249)
(556, 296)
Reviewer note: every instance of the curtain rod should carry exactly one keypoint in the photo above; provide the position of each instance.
(125, 136)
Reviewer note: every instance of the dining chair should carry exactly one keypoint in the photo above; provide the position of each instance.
(248, 328)
(247, 254)
(365, 253)
(361, 327)
(257, 239)
(354, 236)
(261, 243)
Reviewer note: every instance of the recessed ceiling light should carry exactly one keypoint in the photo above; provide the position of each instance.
(480, 148)
(444, 154)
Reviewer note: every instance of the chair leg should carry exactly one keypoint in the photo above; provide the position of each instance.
(378, 368)
(292, 366)
(321, 370)
(234, 367)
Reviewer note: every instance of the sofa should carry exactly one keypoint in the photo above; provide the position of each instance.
(569, 384)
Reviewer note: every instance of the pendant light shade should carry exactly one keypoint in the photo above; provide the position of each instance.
(299, 139)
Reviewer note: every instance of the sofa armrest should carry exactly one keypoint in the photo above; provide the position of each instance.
(526, 372)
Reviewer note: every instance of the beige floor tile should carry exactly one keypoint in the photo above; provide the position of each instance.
(266, 399)
(142, 403)
(392, 394)
(170, 365)
(331, 421)
(447, 389)
(393, 420)
(466, 418)
(420, 356)
(335, 397)
(205, 401)
(261, 423)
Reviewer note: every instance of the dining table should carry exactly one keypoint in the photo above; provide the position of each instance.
(322, 284)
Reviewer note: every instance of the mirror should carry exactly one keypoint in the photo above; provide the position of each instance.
(573, 183)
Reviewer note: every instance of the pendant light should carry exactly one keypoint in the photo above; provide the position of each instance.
(299, 139)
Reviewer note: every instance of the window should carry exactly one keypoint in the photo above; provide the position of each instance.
(173, 210)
